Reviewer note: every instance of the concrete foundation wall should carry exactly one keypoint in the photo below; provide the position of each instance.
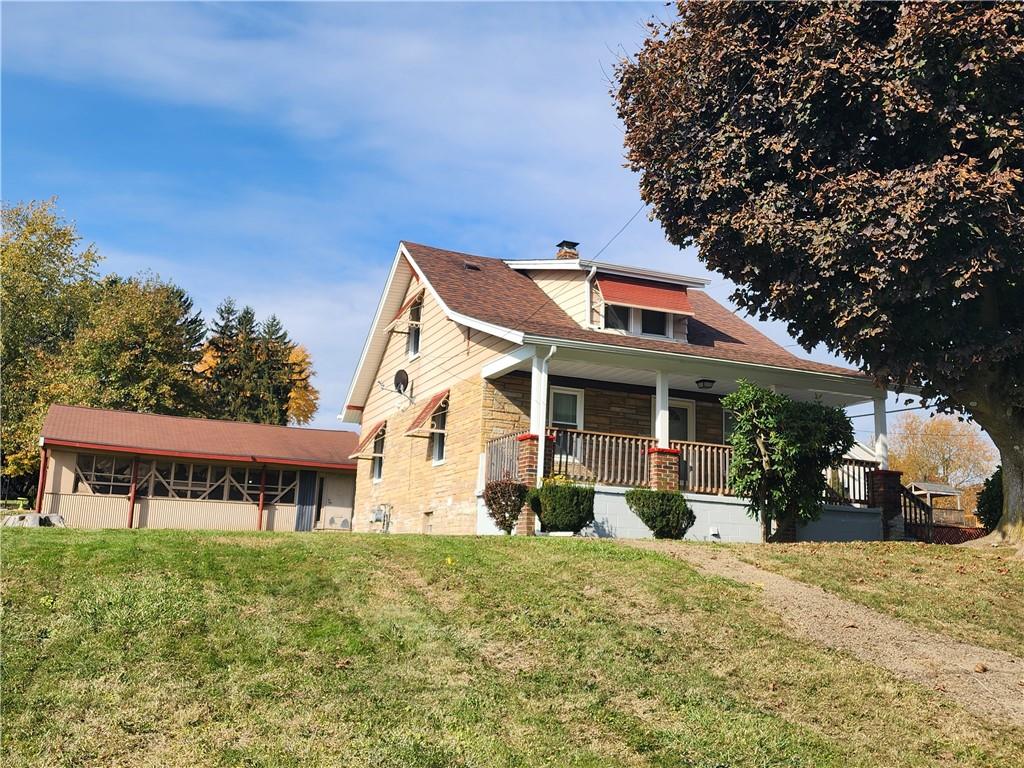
(843, 524)
(724, 518)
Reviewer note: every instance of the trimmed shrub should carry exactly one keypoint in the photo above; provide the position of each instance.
(666, 513)
(504, 500)
(566, 506)
(990, 500)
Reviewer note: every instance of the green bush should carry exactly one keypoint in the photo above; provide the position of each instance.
(666, 513)
(566, 506)
(990, 500)
(504, 500)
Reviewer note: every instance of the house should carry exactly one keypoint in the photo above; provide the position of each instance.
(477, 368)
(118, 469)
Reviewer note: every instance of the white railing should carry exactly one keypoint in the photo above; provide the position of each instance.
(849, 481)
(599, 457)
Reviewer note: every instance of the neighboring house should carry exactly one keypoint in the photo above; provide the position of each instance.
(118, 469)
(470, 359)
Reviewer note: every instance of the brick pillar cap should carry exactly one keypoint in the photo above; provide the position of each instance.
(886, 471)
(669, 451)
(527, 436)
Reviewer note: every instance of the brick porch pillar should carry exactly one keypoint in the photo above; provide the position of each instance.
(884, 492)
(526, 473)
(663, 469)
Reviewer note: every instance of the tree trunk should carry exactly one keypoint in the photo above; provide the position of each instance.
(1004, 422)
(1011, 525)
(766, 527)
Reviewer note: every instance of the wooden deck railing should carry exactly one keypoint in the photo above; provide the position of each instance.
(502, 457)
(599, 457)
(703, 467)
(611, 459)
(917, 516)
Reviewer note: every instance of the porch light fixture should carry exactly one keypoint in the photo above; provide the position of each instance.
(705, 383)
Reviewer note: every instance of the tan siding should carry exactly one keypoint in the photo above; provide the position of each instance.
(84, 511)
(60, 472)
(567, 289)
(448, 353)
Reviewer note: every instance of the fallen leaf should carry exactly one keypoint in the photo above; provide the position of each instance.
(979, 667)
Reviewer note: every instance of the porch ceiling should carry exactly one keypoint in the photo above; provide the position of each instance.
(683, 375)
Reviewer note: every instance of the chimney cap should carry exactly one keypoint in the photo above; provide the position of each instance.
(568, 244)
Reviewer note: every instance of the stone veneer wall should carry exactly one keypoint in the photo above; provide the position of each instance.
(426, 498)
(506, 404)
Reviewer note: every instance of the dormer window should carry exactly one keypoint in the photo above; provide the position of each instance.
(616, 317)
(654, 323)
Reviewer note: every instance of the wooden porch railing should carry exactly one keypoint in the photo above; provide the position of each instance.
(917, 516)
(622, 460)
(501, 456)
(703, 467)
(599, 457)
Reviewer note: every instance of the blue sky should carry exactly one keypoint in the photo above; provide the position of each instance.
(277, 153)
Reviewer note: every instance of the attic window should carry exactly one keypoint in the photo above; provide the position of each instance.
(471, 266)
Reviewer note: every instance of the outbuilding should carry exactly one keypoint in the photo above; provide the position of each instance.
(120, 469)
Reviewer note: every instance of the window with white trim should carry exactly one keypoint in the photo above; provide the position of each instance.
(653, 323)
(438, 432)
(377, 463)
(412, 340)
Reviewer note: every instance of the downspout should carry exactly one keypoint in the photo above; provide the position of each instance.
(131, 493)
(542, 438)
(590, 296)
(41, 489)
(263, 487)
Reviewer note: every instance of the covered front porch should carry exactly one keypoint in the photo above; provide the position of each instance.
(623, 420)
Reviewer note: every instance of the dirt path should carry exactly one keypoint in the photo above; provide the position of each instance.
(981, 680)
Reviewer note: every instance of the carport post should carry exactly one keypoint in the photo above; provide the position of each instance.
(263, 486)
(41, 489)
(131, 492)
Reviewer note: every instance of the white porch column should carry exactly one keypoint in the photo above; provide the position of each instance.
(881, 435)
(661, 409)
(539, 406)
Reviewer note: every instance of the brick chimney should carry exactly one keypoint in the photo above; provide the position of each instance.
(567, 250)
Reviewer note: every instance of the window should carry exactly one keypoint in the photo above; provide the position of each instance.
(102, 475)
(728, 425)
(653, 323)
(438, 435)
(566, 408)
(211, 482)
(377, 465)
(616, 316)
(412, 341)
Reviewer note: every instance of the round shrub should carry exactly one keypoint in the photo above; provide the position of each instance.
(504, 500)
(566, 506)
(990, 500)
(666, 513)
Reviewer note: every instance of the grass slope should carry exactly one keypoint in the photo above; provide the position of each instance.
(179, 648)
(974, 595)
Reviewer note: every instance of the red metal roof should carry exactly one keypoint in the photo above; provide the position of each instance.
(368, 436)
(211, 439)
(427, 412)
(645, 294)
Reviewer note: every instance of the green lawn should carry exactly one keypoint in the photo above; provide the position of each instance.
(974, 595)
(164, 648)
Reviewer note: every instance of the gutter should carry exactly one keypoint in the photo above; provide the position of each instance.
(590, 296)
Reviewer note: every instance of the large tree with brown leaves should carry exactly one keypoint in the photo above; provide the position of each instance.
(856, 169)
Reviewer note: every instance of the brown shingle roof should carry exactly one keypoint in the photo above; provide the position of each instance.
(498, 294)
(152, 434)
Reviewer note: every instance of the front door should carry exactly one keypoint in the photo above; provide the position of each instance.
(680, 418)
(305, 502)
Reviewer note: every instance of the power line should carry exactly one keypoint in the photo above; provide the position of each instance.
(621, 229)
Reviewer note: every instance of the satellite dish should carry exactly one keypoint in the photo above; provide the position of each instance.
(401, 381)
